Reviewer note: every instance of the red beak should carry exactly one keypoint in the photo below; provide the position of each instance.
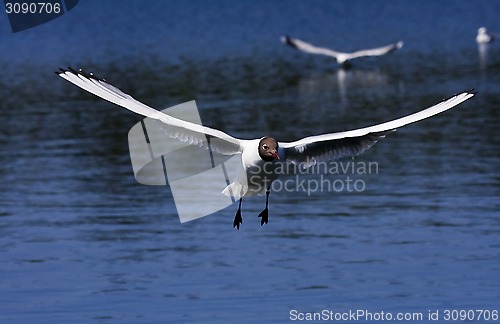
(275, 155)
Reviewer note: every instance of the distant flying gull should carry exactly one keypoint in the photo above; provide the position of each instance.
(342, 58)
(484, 37)
(260, 156)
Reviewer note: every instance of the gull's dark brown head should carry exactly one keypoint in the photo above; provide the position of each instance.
(268, 149)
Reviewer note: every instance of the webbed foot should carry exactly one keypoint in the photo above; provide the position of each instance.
(264, 215)
(238, 220)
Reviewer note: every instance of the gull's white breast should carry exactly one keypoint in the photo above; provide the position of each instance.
(258, 174)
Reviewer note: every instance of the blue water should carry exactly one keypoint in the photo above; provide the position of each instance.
(81, 241)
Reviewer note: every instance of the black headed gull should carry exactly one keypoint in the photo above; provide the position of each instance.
(259, 156)
(484, 37)
(342, 58)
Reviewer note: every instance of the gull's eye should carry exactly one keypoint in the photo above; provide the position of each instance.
(265, 147)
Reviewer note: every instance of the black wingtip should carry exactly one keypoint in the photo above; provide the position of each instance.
(471, 91)
(81, 72)
(88, 75)
(61, 71)
(72, 70)
(287, 40)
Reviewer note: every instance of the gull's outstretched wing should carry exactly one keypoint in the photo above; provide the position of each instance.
(176, 128)
(308, 48)
(377, 51)
(307, 151)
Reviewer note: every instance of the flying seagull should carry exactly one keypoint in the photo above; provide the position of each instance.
(259, 156)
(342, 58)
(483, 36)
